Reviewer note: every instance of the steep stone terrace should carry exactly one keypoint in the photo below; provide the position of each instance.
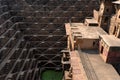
(32, 34)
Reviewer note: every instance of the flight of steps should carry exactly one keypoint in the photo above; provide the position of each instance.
(32, 34)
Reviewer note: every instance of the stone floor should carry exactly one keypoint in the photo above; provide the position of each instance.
(102, 70)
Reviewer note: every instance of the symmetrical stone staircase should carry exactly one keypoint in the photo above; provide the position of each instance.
(32, 34)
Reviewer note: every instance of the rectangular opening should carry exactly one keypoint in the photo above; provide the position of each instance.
(93, 24)
(101, 51)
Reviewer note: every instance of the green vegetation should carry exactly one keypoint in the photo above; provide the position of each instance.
(52, 75)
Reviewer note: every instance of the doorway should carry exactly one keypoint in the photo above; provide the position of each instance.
(101, 51)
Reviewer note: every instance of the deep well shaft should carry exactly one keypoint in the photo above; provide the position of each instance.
(32, 34)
